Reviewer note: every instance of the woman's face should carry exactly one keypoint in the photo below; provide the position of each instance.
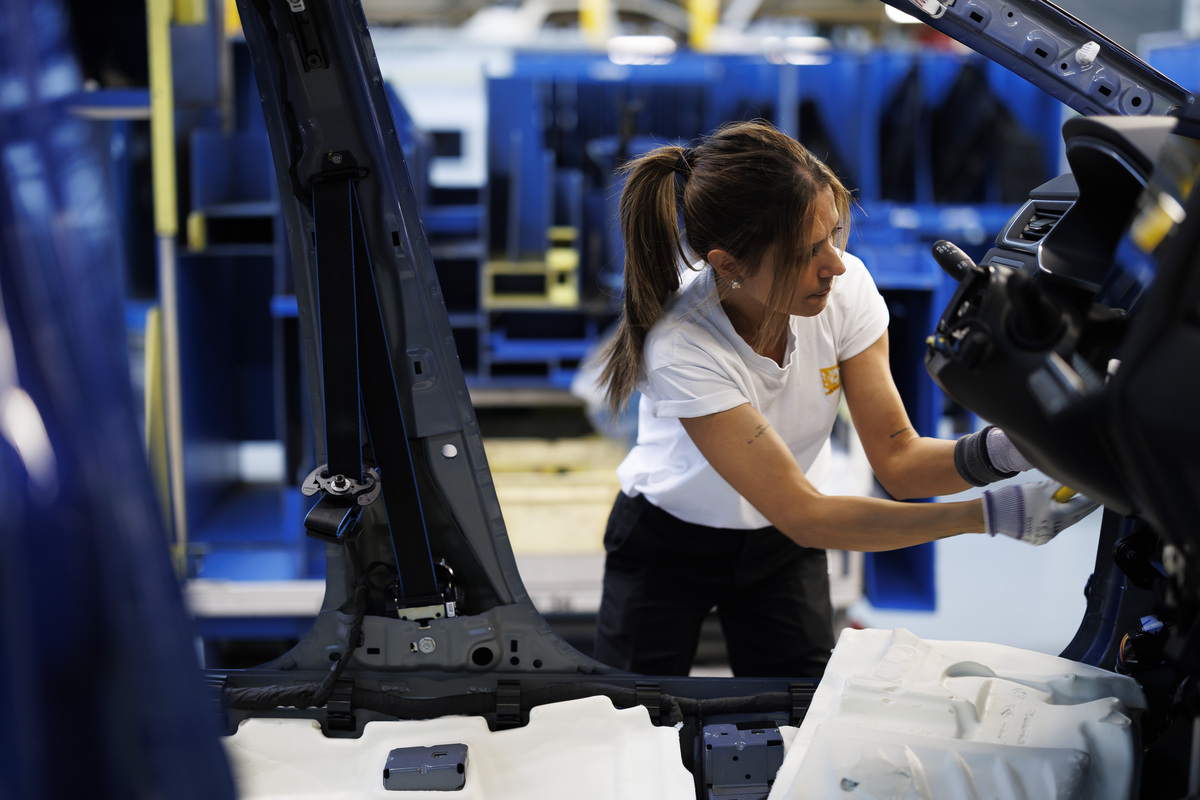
(815, 282)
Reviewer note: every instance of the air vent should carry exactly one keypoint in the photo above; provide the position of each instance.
(1031, 224)
(1040, 224)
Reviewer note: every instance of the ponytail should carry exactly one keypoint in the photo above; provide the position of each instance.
(746, 188)
(654, 252)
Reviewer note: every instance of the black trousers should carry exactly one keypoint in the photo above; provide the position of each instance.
(662, 576)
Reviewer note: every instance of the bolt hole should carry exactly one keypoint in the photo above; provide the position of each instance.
(514, 661)
(1135, 102)
(537, 663)
(482, 656)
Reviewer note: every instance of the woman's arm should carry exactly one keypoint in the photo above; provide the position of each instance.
(752, 457)
(906, 464)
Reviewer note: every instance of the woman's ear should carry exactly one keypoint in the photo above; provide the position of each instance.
(724, 264)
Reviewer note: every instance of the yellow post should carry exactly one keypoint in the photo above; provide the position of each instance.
(191, 12)
(162, 117)
(233, 21)
(595, 18)
(156, 425)
(702, 20)
(166, 227)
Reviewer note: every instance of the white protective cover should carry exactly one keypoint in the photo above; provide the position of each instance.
(579, 749)
(899, 717)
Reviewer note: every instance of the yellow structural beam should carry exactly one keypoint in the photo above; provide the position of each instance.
(160, 15)
(595, 19)
(154, 405)
(233, 22)
(192, 12)
(162, 118)
(702, 21)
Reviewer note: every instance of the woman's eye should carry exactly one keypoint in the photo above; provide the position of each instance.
(831, 240)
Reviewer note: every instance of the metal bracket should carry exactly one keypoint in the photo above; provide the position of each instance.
(933, 8)
(426, 769)
(802, 695)
(508, 704)
(339, 711)
(740, 762)
(312, 53)
(649, 694)
(335, 516)
(363, 493)
(424, 613)
(339, 165)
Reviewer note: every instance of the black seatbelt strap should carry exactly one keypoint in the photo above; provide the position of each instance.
(358, 383)
(338, 327)
(388, 434)
(340, 479)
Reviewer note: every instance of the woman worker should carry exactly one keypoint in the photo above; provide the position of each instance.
(741, 361)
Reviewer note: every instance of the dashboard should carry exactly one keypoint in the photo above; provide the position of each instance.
(1078, 333)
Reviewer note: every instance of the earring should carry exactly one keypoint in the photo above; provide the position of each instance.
(736, 283)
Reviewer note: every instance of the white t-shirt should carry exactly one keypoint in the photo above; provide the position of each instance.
(696, 364)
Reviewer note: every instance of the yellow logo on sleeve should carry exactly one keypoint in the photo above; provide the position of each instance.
(831, 381)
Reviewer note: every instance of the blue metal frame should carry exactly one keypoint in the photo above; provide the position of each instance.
(1038, 41)
(93, 632)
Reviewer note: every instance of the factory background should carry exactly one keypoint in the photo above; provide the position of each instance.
(513, 118)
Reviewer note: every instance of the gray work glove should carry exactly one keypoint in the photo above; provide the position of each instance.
(988, 456)
(1003, 454)
(1030, 512)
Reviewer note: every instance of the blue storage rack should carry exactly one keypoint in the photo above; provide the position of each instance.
(1179, 59)
(555, 111)
(558, 126)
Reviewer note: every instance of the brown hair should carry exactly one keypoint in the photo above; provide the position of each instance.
(747, 189)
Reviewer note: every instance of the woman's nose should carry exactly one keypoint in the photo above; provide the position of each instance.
(832, 265)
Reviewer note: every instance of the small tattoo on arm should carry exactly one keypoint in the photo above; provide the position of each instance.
(758, 432)
(897, 433)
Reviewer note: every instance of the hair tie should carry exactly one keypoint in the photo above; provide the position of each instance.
(683, 164)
